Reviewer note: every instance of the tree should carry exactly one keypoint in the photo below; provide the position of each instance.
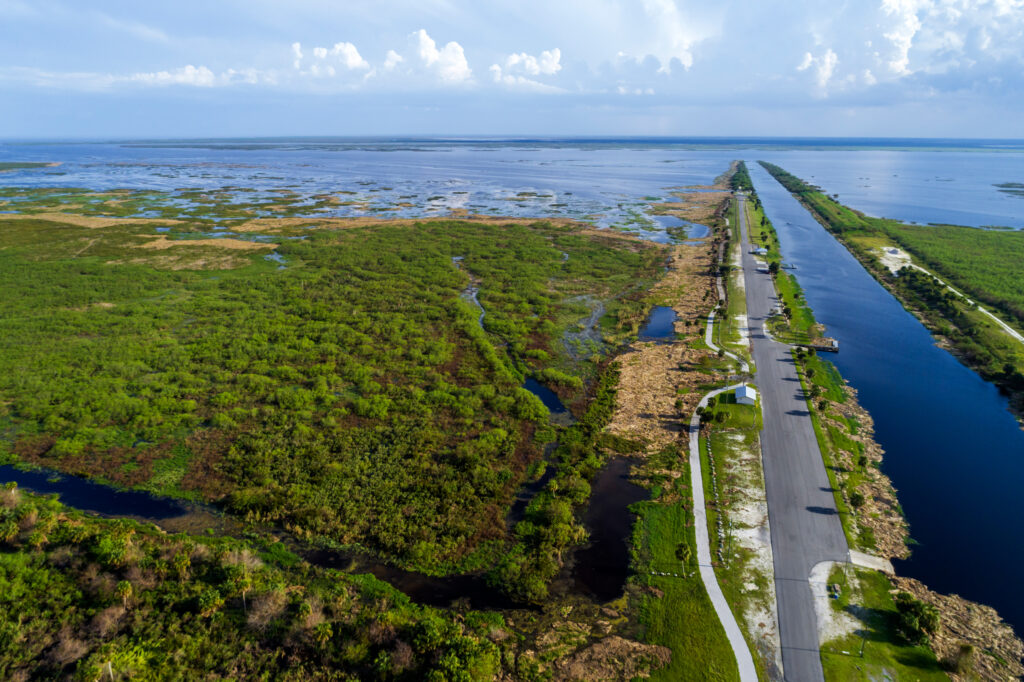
(181, 563)
(124, 591)
(323, 633)
(773, 267)
(856, 499)
(916, 619)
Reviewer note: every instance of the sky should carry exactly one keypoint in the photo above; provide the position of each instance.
(240, 68)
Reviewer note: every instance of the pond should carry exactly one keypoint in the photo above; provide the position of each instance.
(660, 325)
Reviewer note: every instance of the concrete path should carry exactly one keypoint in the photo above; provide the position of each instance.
(804, 521)
(745, 662)
(708, 336)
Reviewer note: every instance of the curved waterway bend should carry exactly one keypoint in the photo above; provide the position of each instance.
(952, 449)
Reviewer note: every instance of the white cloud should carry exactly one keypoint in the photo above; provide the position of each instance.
(824, 66)
(449, 62)
(349, 56)
(392, 59)
(905, 25)
(547, 63)
(187, 75)
(297, 53)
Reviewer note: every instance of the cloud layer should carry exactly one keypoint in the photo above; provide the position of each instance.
(659, 52)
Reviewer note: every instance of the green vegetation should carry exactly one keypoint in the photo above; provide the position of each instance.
(733, 470)
(740, 180)
(676, 611)
(118, 599)
(351, 396)
(550, 525)
(886, 652)
(21, 165)
(984, 264)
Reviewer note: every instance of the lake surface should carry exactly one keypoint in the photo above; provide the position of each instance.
(953, 451)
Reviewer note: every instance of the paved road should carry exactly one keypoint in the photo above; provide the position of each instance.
(805, 525)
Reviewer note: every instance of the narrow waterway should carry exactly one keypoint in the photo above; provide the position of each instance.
(952, 449)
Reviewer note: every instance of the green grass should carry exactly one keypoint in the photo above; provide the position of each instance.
(730, 440)
(683, 618)
(886, 656)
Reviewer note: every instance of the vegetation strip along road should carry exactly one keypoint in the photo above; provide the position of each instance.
(745, 662)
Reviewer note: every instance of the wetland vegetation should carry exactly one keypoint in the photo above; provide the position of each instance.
(352, 396)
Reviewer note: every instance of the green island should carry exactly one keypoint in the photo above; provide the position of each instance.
(953, 269)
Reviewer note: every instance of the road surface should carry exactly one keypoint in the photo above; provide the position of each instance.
(805, 526)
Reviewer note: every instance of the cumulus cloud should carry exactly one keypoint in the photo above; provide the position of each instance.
(547, 63)
(392, 59)
(448, 62)
(824, 66)
(297, 54)
(518, 66)
(905, 25)
(349, 56)
(199, 76)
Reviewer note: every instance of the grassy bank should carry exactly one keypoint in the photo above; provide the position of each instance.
(877, 650)
(737, 519)
(675, 611)
(983, 264)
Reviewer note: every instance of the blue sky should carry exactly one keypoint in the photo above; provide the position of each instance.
(952, 68)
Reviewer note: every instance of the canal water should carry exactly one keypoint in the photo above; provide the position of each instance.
(952, 449)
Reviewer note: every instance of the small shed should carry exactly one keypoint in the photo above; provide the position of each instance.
(761, 251)
(746, 395)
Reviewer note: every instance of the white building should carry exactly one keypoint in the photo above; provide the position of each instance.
(761, 251)
(746, 395)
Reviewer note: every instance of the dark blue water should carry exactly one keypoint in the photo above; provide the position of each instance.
(546, 395)
(953, 451)
(660, 325)
(95, 497)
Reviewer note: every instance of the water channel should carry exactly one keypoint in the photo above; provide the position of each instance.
(952, 449)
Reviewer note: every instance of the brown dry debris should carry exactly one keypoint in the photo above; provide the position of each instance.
(612, 658)
(880, 512)
(965, 622)
(651, 374)
(161, 242)
(693, 206)
(92, 222)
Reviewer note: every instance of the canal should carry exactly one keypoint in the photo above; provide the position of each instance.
(952, 449)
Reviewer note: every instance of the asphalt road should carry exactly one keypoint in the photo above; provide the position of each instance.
(804, 522)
